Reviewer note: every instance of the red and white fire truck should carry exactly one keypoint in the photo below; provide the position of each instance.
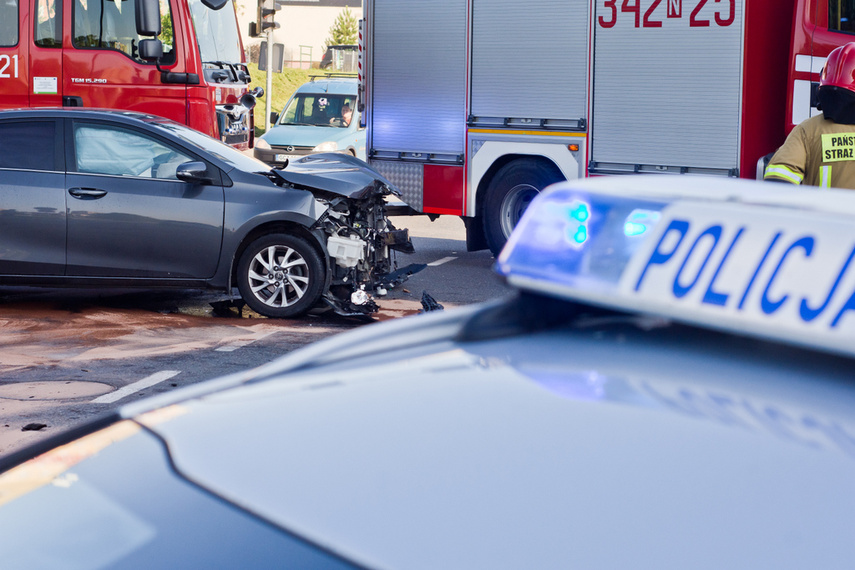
(473, 106)
(104, 53)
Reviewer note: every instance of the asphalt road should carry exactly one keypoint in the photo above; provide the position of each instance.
(69, 356)
(453, 276)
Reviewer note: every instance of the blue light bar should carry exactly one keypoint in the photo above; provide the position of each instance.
(745, 257)
(573, 238)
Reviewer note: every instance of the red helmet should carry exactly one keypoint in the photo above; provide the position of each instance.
(839, 70)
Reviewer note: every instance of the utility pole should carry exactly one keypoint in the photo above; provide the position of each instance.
(268, 105)
(264, 26)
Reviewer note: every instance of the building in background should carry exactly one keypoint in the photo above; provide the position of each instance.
(304, 27)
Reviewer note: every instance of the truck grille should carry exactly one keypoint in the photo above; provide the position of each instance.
(285, 149)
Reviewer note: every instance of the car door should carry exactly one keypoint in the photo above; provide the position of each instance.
(128, 214)
(32, 197)
(103, 68)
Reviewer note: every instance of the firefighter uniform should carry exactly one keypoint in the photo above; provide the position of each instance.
(818, 152)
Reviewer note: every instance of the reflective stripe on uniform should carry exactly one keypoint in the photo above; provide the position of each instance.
(825, 176)
(782, 171)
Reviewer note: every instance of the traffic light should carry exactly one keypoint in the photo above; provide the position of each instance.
(266, 11)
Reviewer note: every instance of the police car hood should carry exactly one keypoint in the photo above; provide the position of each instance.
(510, 454)
(335, 174)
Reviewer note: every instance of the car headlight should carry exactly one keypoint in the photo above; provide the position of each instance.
(262, 144)
(328, 146)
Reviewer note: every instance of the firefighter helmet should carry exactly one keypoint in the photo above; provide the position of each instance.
(839, 70)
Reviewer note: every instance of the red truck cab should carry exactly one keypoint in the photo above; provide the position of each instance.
(86, 53)
(819, 26)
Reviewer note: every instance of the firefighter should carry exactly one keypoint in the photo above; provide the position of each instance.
(821, 150)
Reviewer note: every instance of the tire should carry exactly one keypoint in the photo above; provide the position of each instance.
(510, 192)
(280, 276)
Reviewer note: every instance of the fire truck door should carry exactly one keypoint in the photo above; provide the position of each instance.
(45, 57)
(103, 68)
(13, 56)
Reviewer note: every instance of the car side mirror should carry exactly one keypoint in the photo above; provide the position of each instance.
(150, 50)
(148, 17)
(274, 117)
(194, 172)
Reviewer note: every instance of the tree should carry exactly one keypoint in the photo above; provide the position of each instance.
(344, 29)
(166, 33)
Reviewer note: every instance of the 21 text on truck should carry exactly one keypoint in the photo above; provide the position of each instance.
(472, 106)
(104, 53)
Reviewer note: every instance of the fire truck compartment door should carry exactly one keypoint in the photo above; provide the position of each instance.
(419, 67)
(667, 84)
(527, 67)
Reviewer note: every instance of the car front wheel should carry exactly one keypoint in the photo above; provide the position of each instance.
(280, 275)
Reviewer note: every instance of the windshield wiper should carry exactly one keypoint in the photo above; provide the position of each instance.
(236, 73)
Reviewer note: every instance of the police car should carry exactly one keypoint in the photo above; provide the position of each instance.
(672, 387)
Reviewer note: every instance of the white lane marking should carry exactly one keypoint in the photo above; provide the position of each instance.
(243, 342)
(146, 382)
(439, 262)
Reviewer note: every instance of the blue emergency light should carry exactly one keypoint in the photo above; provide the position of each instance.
(741, 256)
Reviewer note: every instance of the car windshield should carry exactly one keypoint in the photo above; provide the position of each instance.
(212, 146)
(216, 32)
(319, 110)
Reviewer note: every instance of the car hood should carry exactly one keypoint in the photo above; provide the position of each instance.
(335, 175)
(501, 455)
(299, 135)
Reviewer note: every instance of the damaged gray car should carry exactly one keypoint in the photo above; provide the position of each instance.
(93, 198)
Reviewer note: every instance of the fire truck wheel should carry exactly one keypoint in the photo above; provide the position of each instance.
(509, 193)
(280, 275)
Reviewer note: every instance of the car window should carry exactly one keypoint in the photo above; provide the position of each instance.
(121, 152)
(841, 15)
(319, 110)
(28, 145)
(8, 23)
(48, 23)
(213, 147)
(111, 24)
(217, 32)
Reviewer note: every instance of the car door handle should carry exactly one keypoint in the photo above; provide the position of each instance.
(87, 193)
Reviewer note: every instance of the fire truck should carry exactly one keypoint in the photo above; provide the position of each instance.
(181, 59)
(473, 106)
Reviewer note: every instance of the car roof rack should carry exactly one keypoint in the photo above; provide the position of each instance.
(333, 75)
